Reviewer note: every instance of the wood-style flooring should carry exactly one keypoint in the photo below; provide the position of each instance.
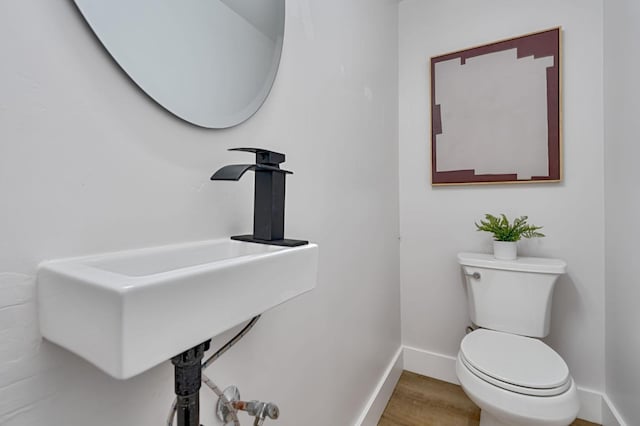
(422, 401)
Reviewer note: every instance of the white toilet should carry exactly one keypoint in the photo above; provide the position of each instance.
(515, 379)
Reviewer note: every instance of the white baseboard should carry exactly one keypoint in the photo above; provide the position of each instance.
(590, 405)
(610, 415)
(382, 393)
(443, 367)
(430, 364)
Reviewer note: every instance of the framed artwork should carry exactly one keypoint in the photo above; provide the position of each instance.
(495, 112)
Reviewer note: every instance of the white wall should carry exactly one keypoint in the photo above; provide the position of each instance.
(89, 164)
(622, 107)
(436, 223)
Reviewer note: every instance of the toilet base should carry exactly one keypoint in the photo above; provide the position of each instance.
(517, 409)
(488, 419)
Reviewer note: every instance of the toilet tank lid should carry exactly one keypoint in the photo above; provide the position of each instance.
(539, 265)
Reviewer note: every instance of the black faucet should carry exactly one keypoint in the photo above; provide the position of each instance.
(268, 213)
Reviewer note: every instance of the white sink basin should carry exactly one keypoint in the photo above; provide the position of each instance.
(126, 312)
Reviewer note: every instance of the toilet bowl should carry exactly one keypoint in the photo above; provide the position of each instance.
(516, 380)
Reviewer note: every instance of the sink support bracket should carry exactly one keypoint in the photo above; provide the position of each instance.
(188, 377)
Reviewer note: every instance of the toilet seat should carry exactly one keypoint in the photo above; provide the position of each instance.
(515, 363)
(515, 388)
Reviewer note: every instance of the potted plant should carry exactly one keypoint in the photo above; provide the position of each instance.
(506, 234)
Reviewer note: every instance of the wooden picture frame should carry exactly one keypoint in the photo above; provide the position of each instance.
(496, 112)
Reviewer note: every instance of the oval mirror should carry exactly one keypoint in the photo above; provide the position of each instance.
(209, 62)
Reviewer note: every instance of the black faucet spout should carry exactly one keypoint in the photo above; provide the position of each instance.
(235, 171)
(268, 214)
(232, 172)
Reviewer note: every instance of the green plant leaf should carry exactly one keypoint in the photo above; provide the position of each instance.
(503, 230)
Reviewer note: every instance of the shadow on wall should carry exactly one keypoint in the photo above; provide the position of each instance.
(566, 309)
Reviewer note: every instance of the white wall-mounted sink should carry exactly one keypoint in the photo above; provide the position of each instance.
(128, 311)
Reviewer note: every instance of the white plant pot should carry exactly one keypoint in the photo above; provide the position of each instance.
(505, 250)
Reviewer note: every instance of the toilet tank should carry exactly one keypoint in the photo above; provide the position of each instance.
(513, 296)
